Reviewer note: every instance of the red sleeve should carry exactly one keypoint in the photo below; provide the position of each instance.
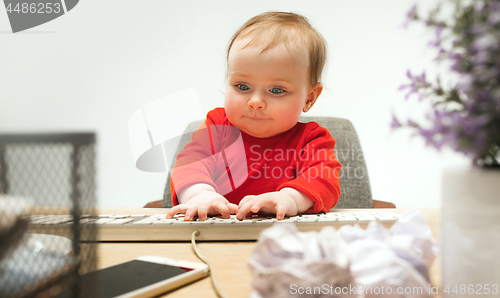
(196, 162)
(318, 171)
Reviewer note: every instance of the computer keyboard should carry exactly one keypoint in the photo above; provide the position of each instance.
(142, 227)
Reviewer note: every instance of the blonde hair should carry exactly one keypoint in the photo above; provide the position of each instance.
(270, 29)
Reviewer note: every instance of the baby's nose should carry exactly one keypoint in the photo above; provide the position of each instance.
(256, 102)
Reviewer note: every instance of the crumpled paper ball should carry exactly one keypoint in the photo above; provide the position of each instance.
(350, 262)
(286, 259)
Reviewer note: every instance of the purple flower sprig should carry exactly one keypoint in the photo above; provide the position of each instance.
(466, 116)
(424, 89)
(417, 83)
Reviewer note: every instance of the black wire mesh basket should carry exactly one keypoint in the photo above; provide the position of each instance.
(47, 193)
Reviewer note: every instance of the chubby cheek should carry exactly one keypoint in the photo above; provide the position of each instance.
(232, 105)
(290, 114)
(293, 108)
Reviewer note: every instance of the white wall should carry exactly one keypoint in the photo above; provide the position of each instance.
(92, 68)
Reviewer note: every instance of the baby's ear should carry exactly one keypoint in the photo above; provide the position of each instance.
(312, 96)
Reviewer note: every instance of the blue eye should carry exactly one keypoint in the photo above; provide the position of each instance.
(243, 87)
(277, 90)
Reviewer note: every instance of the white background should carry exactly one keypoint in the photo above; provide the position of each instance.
(90, 69)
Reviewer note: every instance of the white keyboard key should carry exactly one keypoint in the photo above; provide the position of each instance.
(120, 221)
(261, 220)
(386, 217)
(103, 220)
(36, 217)
(245, 221)
(146, 221)
(120, 216)
(327, 219)
(60, 219)
(331, 216)
(159, 217)
(365, 219)
(224, 222)
(143, 223)
(307, 219)
(139, 215)
(266, 221)
(310, 216)
(347, 219)
(85, 221)
(153, 218)
(106, 215)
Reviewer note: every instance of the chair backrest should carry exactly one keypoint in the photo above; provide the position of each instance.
(354, 181)
(186, 137)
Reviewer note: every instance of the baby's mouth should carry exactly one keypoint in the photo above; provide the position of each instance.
(256, 118)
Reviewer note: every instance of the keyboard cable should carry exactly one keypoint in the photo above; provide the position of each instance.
(212, 275)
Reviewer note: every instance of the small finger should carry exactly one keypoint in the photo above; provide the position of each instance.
(256, 207)
(221, 208)
(175, 210)
(202, 212)
(172, 212)
(246, 199)
(280, 212)
(267, 205)
(244, 210)
(233, 208)
(191, 213)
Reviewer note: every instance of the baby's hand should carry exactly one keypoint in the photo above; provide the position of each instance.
(279, 203)
(203, 204)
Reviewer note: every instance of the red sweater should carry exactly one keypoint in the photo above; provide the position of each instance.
(236, 164)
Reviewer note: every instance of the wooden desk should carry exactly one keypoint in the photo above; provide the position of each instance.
(229, 259)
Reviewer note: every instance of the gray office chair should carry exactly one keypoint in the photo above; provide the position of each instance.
(354, 181)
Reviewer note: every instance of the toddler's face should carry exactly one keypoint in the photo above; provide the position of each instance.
(266, 92)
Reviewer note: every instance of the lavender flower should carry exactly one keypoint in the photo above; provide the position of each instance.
(494, 18)
(478, 6)
(410, 15)
(484, 42)
(395, 123)
(465, 117)
(417, 82)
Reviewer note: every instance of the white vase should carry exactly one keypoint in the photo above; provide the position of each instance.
(470, 232)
